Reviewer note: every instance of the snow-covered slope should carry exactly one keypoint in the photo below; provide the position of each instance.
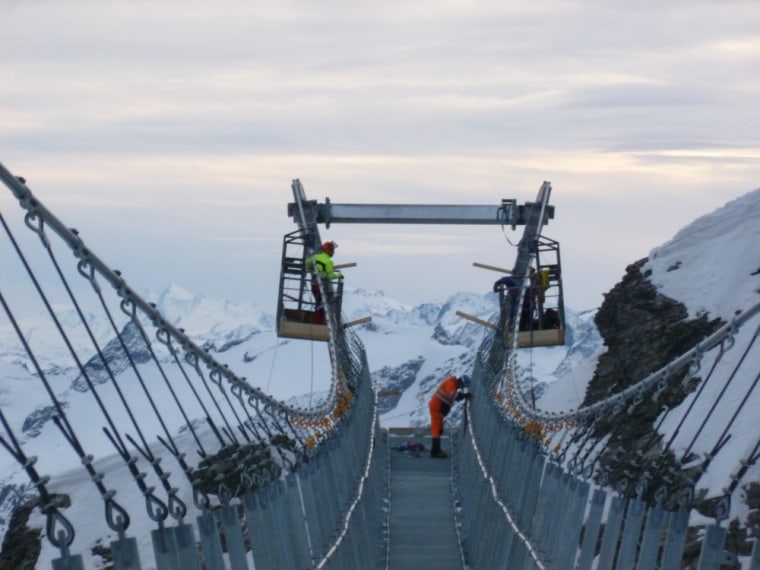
(713, 265)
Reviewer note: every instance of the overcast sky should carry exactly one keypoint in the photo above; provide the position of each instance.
(169, 133)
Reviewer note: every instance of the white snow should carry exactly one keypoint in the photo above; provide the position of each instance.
(709, 264)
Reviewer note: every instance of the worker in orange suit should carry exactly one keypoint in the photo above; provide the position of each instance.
(451, 390)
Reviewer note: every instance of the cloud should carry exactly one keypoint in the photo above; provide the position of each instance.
(185, 122)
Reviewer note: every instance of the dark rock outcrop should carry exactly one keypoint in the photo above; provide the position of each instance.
(96, 369)
(35, 422)
(643, 331)
(391, 382)
(22, 545)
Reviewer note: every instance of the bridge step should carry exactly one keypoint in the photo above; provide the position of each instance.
(422, 531)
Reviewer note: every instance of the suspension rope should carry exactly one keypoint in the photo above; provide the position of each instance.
(98, 349)
(116, 517)
(133, 366)
(271, 368)
(143, 335)
(723, 334)
(720, 397)
(724, 436)
(60, 532)
(75, 243)
(58, 325)
(156, 509)
(694, 400)
(160, 510)
(216, 379)
(192, 360)
(745, 465)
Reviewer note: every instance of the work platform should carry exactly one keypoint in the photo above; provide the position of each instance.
(422, 529)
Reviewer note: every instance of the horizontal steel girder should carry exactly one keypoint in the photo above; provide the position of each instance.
(508, 213)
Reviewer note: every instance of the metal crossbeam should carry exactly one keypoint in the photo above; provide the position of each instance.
(507, 213)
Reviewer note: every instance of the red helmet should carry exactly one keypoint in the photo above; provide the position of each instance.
(329, 247)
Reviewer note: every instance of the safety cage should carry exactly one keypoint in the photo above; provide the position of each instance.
(298, 314)
(543, 300)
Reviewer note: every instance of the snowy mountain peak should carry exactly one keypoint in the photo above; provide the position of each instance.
(202, 316)
(362, 302)
(178, 293)
(713, 264)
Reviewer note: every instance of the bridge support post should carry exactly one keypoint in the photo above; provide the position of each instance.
(633, 520)
(651, 541)
(124, 554)
(164, 549)
(754, 561)
(591, 529)
(258, 516)
(611, 533)
(212, 545)
(713, 554)
(677, 529)
(68, 563)
(233, 536)
(565, 557)
(187, 554)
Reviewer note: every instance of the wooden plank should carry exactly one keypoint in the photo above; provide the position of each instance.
(492, 268)
(357, 322)
(306, 331)
(477, 320)
(546, 337)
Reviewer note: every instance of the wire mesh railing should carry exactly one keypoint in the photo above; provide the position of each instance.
(567, 494)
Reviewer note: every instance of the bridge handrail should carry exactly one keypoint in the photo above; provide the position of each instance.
(343, 526)
(726, 332)
(36, 209)
(493, 485)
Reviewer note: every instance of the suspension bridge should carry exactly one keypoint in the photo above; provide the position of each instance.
(237, 479)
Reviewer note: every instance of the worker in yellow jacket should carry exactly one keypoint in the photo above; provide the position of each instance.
(321, 265)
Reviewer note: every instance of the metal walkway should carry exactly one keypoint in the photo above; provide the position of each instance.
(422, 529)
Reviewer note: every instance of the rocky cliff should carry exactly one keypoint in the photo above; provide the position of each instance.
(643, 331)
